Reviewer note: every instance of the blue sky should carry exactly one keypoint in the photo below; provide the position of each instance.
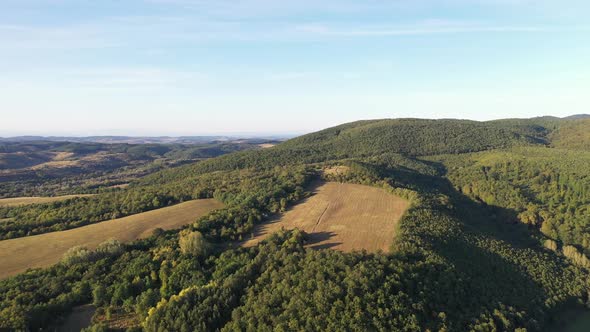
(193, 67)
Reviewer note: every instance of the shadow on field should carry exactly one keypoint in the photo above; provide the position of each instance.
(313, 240)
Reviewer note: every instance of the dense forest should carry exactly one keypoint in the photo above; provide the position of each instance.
(546, 189)
(496, 238)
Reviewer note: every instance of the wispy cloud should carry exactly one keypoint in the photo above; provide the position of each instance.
(422, 28)
(169, 24)
(160, 32)
(26, 37)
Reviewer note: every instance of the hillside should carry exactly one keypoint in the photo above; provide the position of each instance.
(495, 237)
(573, 135)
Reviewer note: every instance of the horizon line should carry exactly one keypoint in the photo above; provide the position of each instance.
(254, 134)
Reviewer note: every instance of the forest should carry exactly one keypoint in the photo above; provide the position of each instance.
(496, 237)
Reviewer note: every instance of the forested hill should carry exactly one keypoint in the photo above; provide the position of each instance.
(410, 137)
(420, 137)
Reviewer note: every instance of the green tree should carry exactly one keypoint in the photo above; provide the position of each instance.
(99, 295)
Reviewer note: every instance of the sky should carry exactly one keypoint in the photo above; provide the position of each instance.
(197, 67)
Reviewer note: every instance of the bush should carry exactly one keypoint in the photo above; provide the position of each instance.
(77, 254)
(80, 254)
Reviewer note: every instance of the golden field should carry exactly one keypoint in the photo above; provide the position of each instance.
(342, 216)
(17, 255)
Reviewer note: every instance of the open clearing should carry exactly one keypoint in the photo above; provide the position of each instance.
(17, 255)
(342, 216)
(337, 170)
(35, 200)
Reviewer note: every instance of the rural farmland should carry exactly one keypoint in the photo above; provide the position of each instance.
(17, 255)
(342, 216)
(16, 201)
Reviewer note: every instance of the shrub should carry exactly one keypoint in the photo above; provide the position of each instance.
(76, 255)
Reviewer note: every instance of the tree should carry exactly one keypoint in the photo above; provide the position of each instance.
(99, 295)
(193, 243)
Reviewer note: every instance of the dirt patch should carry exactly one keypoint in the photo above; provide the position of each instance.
(342, 216)
(17, 255)
(120, 320)
(266, 145)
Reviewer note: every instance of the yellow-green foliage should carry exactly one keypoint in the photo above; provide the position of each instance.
(193, 243)
(550, 244)
(577, 257)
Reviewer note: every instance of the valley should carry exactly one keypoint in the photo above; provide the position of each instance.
(50, 167)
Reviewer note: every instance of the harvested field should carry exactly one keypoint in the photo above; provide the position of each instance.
(35, 200)
(342, 216)
(17, 255)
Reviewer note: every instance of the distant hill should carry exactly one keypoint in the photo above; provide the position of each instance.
(33, 167)
(577, 117)
(147, 139)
